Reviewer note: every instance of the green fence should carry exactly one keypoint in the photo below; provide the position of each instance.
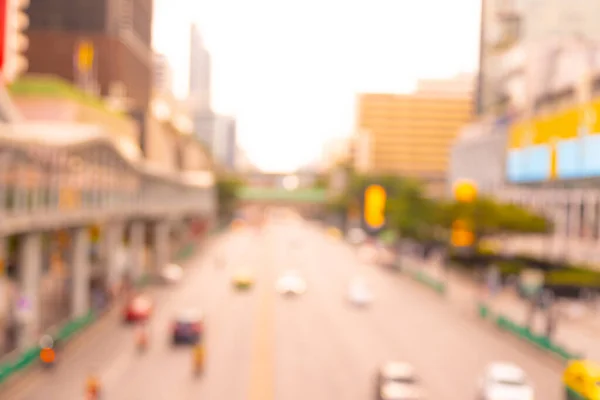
(185, 252)
(523, 332)
(429, 281)
(21, 360)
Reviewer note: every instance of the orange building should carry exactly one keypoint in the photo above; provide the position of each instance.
(412, 134)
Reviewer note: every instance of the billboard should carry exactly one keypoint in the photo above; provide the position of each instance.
(564, 145)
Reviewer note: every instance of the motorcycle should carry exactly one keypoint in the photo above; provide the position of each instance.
(142, 342)
(199, 362)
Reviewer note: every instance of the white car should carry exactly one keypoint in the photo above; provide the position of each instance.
(398, 381)
(172, 273)
(356, 236)
(505, 381)
(291, 283)
(359, 293)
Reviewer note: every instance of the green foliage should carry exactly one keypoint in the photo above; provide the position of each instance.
(489, 217)
(228, 187)
(414, 215)
(321, 182)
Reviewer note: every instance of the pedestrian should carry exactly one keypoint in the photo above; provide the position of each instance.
(550, 324)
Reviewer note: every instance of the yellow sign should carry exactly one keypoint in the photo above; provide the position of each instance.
(94, 233)
(374, 209)
(85, 56)
(548, 130)
(465, 191)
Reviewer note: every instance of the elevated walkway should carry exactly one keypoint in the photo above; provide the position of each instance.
(282, 196)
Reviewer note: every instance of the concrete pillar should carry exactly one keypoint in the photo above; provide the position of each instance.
(161, 245)
(589, 217)
(81, 270)
(30, 268)
(113, 242)
(137, 247)
(574, 219)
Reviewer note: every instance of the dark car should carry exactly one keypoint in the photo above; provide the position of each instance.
(188, 328)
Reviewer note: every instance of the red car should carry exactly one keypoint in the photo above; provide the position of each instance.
(138, 308)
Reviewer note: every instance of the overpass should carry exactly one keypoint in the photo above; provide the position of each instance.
(273, 180)
(71, 198)
(306, 200)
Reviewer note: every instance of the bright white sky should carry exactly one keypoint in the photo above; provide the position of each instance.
(289, 70)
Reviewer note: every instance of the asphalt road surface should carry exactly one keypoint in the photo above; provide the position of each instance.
(261, 346)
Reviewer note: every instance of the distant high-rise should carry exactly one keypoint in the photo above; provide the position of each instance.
(200, 71)
(224, 144)
(203, 117)
(163, 73)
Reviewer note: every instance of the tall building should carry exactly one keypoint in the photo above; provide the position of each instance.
(163, 74)
(412, 134)
(107, 41)
(501, 29)
(549, 70)
(200, 71)
(224, 142)
(205, 121)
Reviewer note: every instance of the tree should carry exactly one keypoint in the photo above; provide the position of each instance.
(412, 214)
(488, 217)
(228, 187)
(321, 182)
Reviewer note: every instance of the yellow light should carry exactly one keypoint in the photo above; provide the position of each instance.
(374, 209)
(465, 191)
(460, 224)
(462, 238)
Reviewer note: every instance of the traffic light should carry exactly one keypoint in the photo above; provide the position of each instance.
(462, 237)
(465, 191)
(14, 21)
(374, 207)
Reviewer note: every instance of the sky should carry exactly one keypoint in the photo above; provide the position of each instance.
(289, 70)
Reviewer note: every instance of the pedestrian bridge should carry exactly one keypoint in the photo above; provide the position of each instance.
(274, 196)
(55, 176)
(57, 181)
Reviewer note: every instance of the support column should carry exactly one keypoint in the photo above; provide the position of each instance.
(112, 247)
(137, 244)
(161, 246)
(574, 218)
(589, 217)
(81, 270)
(30, 268)
(4, 292)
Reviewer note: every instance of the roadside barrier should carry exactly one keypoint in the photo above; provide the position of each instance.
(19, 360)
(540, 341)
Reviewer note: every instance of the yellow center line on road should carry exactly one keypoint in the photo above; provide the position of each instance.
(262, 385)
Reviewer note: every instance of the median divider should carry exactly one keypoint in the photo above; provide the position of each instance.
(542, 342)
(427, 280)
(19, 360)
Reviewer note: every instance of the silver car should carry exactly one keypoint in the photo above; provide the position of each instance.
(359, 293)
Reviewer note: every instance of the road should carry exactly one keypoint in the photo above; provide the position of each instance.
(263, 347)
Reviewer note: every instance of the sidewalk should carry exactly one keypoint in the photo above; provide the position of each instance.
(578, 333)
(99, 322)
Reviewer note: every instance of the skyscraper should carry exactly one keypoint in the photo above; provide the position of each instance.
(202, 114)
(224, 143)
(200, 71)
